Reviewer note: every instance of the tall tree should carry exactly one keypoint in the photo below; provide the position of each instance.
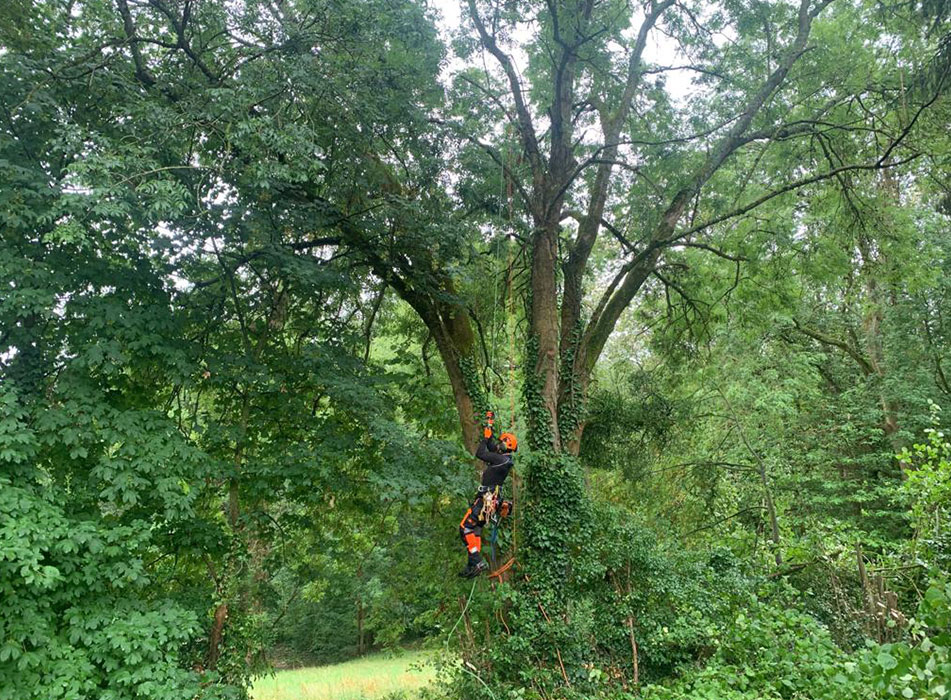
(177, 347)
(600, 142)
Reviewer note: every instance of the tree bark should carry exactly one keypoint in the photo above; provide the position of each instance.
(454, 350)
(447, 321)
(544, 330)
(216, 635)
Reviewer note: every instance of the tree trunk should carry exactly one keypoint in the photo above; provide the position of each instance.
(543, 415)
(465, 407)
(234, 514)
(217, 632)
(872, 333)
(361, 612)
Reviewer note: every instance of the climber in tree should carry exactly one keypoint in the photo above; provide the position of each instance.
(497, 455)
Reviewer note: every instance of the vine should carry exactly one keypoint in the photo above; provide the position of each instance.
(540, 433)
(471, 379)
(571, 408)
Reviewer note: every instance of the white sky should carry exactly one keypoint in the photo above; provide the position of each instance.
(660, 50)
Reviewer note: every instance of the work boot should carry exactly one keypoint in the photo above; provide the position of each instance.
(475, 566)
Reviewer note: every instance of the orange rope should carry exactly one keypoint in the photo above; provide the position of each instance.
(502, 569)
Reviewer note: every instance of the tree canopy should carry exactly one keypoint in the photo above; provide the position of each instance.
(266, 264)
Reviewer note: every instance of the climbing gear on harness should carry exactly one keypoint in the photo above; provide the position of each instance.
(489, 503)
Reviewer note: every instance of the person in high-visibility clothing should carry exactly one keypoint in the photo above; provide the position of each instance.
(497, 455)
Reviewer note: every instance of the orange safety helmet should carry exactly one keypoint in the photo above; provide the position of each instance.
(509, 440)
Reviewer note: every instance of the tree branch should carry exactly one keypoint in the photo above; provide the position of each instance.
(866, 366)
(877, 165)
(525, 127)
(142, 74)
(716, 251)
(600, 327)
(179, 26)
(590, 224)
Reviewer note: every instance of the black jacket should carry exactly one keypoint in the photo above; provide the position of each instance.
(497, 463)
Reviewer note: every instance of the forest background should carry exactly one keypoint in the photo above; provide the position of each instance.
(264, 264)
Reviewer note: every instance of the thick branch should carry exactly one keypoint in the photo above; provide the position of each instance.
(142, 73)
(179, 26)
(368, 327)
(734, 138)
(590, 224)
(863, 363)
(795, 185)
(525, 127)
(563, 93)
(601, 326)
(716, 251)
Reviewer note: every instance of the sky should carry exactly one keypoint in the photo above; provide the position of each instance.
(660, 50)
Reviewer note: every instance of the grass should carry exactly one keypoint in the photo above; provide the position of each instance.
(362, 679)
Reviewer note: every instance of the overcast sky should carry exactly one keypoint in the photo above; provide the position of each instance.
(660, 49)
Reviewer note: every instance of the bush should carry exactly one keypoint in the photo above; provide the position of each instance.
(920, 666)
(621, 583)
(768, 652)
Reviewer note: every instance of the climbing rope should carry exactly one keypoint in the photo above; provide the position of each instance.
(505, 202)
(502, 569)
(465, 664)
(510, 328)
(493, 539)
(464, 611)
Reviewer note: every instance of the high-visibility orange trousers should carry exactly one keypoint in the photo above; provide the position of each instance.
(470, 530)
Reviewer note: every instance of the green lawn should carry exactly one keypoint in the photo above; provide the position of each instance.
(362, 679)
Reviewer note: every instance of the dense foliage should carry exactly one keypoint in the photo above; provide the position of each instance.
(263, 265)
